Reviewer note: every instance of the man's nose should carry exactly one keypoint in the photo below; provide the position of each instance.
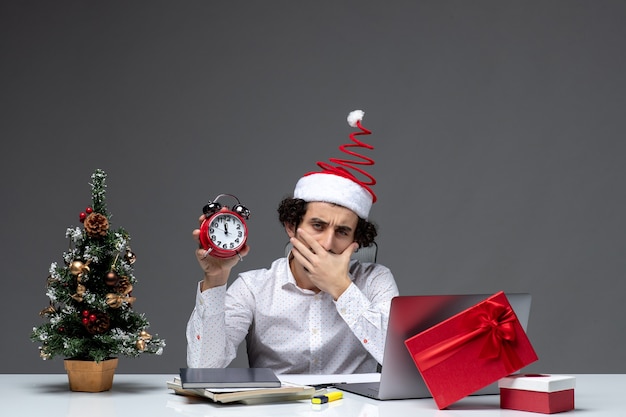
(326, 239)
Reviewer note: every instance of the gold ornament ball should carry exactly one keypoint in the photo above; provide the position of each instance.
(113, 300)
(141, 345)
(145, 335)
(77, 268)
(130, 257)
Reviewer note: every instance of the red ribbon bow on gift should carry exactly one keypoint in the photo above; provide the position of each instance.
(491, 321)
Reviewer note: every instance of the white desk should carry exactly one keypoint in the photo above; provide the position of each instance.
(147, 395)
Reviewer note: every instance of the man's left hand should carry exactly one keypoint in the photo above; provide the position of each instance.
(326, 270)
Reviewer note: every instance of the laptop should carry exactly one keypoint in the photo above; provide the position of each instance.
(412, 314)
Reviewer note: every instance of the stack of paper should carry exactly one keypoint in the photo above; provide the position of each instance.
(245, 385)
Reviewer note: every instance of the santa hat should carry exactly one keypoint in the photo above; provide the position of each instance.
(335, 183)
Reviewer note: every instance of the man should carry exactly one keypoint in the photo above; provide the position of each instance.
(315, 311)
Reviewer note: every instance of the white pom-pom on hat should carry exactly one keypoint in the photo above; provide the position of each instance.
(355, 116)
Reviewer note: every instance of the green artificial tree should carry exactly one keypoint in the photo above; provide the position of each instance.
(90, 316)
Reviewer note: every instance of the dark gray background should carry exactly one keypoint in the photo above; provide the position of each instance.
(498, 126)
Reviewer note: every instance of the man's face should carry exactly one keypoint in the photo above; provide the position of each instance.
(332, 226)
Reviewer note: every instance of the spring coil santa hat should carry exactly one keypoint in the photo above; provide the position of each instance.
(335, 183)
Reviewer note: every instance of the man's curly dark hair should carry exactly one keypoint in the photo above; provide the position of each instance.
(292, 210)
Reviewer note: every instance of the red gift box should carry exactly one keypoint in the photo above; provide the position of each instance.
(471, 350)
(538, 393)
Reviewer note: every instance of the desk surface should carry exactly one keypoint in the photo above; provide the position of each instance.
(136, 395)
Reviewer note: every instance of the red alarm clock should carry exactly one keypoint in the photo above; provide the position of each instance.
(224, 232)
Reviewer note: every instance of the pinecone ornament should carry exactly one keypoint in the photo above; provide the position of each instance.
(123, 286)
(97, 323)
(96, 225)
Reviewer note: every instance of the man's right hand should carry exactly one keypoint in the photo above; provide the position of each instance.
(216, 270)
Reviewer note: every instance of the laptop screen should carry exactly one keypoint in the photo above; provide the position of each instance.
(413, 314)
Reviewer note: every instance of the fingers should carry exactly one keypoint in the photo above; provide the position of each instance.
(351, 249)
(196, 232)
(244, 251)
(307, 243)
(303, 252)
(299, 250)
(202, 255)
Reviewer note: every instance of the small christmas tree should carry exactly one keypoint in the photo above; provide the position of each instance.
(91, 316)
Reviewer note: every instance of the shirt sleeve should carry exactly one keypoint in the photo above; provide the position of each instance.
(365, 309)
(216, 327)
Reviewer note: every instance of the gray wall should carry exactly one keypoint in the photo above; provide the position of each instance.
(498, 126)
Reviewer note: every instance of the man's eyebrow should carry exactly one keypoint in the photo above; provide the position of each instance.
(324, 222)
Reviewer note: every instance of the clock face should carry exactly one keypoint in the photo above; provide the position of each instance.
(226, 231)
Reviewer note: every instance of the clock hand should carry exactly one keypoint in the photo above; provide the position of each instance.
(225, 228)
(219, 228)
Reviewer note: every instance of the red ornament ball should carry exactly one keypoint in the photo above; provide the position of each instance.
(89, 210)
(85, 320)
(85, 313)
(82, 216)
(92, 317)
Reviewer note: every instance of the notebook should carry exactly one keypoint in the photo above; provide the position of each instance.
(228, 378)
(409, 315)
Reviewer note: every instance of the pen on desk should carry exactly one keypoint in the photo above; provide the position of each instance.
(328, 397)
(326, 385)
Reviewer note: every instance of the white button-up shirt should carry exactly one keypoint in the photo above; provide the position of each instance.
(290, 329)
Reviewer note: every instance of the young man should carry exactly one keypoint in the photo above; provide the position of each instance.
(315, 311)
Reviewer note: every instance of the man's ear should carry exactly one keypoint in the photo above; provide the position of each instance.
(290, 229)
